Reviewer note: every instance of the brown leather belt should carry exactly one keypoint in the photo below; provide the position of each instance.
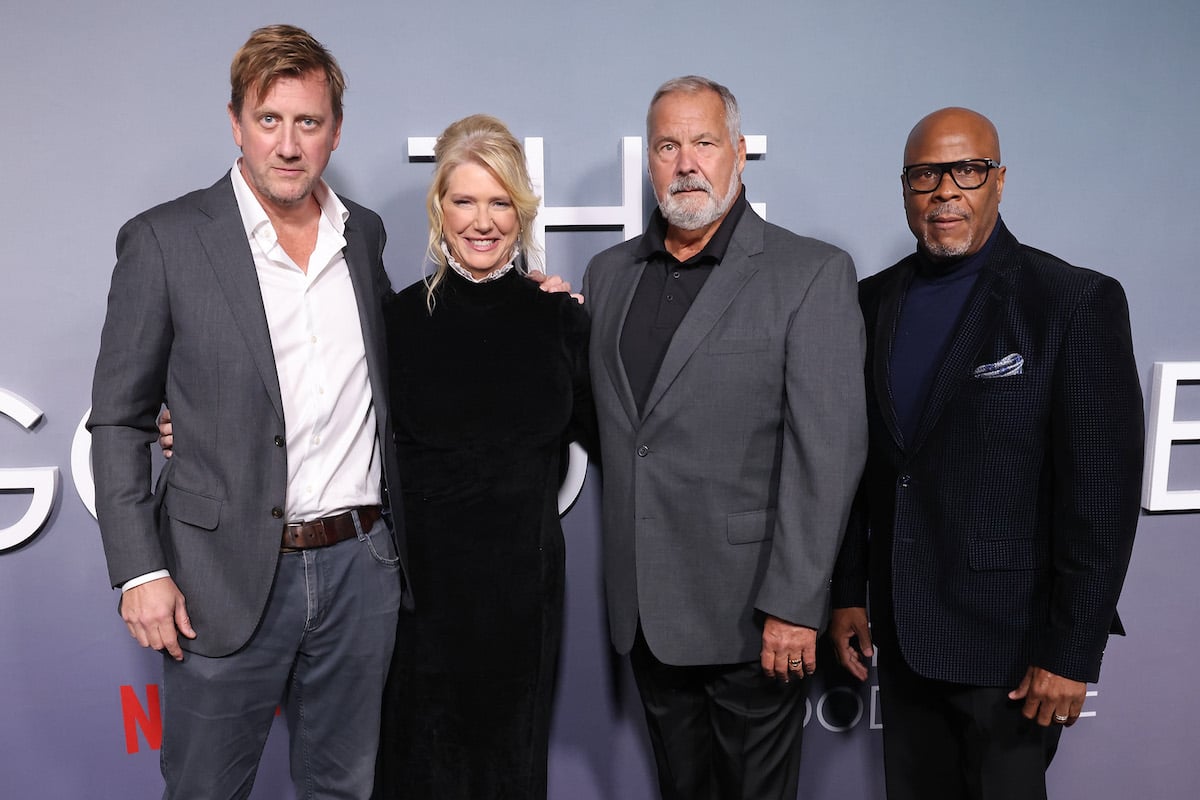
(328, 530)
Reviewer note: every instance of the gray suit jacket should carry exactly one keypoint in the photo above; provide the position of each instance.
(186, 325)
(728, 496)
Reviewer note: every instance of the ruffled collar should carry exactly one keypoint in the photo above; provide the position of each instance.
(467, 275)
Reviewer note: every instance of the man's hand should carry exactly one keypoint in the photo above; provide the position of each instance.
(165, 440)
(845, 624)
(788, 649)
(552, 283)
(1049, 697)
(153, 612)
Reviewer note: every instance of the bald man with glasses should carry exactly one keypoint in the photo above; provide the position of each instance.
(993, 526)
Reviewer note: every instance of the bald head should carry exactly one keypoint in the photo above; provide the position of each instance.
(962, 124)
(951, 222)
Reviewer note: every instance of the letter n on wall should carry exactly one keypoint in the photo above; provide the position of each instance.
(135, 715)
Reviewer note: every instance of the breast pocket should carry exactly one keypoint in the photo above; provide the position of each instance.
(1000, 385)
(731, 345)
(1007, 412)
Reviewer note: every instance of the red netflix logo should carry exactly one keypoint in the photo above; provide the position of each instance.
(147, 717)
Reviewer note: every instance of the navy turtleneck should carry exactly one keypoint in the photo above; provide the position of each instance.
(929, 315)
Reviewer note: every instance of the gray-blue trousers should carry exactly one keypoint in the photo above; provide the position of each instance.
(322, 652)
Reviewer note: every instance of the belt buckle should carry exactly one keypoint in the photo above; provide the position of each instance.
(321, 534)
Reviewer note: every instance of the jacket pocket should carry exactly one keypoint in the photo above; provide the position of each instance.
(1007, 554)
(194, 509)
(746, 527)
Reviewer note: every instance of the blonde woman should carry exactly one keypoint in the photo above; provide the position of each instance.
(488, 383)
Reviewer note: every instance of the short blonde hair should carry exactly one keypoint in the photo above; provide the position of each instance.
(486, 141)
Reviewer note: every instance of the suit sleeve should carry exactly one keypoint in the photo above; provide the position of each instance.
(127, 393)
(1097, 439)
(849, 587)
(824, 445)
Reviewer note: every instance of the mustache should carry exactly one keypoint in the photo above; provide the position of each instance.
(947, 211)
(690, 183)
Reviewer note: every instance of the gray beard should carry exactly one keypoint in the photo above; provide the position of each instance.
(946, 251)
(943, 251)
(680, 216)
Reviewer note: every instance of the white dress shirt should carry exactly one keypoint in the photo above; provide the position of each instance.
(333, 452)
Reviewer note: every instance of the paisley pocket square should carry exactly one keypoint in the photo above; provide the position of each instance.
(1011, 364)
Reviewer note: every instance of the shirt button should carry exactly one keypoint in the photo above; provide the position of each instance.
(643, 450)
(313, 339)
(670, 297)
(675, 274)
(279, 441)
(316, 440)
(277, 512)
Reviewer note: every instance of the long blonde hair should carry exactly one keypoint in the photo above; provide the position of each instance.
(486, 141)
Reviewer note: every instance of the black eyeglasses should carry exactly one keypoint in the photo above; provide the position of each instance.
(969, 174)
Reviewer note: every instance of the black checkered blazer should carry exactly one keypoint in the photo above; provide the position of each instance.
(1000, 536)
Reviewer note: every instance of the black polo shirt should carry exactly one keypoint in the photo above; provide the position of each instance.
(664, 295)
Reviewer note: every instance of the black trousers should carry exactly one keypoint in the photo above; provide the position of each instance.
(950, 741)
(720, 732)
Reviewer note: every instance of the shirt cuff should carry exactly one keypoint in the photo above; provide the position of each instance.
(140, 579)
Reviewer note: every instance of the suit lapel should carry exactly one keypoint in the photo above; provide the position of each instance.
(726, 280)
(978, 326)
(623, 286)
(367, 297)
(887, 318)
(224, 240)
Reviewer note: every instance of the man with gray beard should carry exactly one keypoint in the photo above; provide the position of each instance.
(726, 362)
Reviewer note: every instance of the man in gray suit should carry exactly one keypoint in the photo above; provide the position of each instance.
(726, 360)
(252, 308)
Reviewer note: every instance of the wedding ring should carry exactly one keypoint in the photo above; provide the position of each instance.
(1058, 718)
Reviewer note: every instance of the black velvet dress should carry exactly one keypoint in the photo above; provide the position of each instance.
(486, 393)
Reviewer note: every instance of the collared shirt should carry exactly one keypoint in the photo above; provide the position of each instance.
(332, 449)
(664, 294)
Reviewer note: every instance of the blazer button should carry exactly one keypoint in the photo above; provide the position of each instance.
(643, 450)
(277, 512)
(279, 441)
(904, 479)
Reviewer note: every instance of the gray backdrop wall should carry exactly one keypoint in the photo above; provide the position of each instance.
(112, 107)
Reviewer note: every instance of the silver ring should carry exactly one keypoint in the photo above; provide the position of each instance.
(1059, 718)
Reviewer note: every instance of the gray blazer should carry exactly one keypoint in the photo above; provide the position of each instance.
(186, 325)
(727, 498)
